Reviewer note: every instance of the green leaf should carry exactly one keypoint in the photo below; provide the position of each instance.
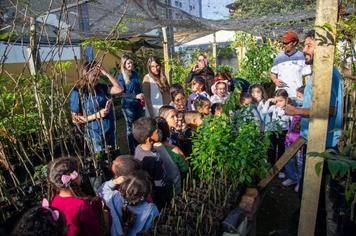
(333, 168)
(318, 168)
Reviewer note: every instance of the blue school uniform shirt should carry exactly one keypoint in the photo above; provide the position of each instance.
(133, 88)
(336, 100)
(92, 104)
(144, 212)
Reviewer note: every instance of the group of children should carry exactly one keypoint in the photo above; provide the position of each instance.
(144, 183)
(284, 130)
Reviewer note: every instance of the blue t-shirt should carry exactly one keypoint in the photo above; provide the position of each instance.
(144, 212)
(335, 122)
(92, 104)
(132, 88)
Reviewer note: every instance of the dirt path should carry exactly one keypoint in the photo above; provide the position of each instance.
(275, 214)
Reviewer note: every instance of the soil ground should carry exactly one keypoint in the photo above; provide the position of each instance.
(276, 211)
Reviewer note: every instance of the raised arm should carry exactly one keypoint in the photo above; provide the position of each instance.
(116, 87)
(266, 108)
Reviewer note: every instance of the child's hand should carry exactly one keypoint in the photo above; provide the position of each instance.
(273, 100)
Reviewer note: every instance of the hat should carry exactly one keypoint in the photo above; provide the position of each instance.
(289, 37)
(213, 87)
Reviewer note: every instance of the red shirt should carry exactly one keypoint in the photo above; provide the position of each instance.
(80, 215)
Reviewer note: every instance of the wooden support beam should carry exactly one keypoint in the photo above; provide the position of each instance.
(282, 161)
(32, 50)
(326, 13)
(166, 53)
(215, 57)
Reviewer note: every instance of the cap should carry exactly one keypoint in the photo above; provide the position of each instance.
(289, 37)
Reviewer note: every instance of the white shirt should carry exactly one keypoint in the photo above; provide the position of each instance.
(156, 98)
(290, 69)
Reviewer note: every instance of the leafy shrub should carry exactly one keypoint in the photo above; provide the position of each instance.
(258, 60)
(233, 146)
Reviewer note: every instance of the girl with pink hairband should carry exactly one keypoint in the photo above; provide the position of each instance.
(83, 216)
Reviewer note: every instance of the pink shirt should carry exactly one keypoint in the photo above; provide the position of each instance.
(80, 215)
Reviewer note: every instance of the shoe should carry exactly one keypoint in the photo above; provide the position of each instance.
(281, 175)
(296, 188)
(288, 182)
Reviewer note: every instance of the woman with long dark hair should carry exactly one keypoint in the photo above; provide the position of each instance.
(90, 104)
(155, 87)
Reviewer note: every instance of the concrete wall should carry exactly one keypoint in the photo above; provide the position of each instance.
(16, 58)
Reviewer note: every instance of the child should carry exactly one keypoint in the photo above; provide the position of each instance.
(249, 110)
(169, 113)
(180, 104)
(259, 98)
(126, 194)
(198, 90)
(294, 167)
(216, 109)
(81, 215)
(42, 221)
(175, 153)
(245, 99)
(278, 121)
(145, 132)
(202, 105)
(193, 119)
(300, 96)
(219, 89)
(168, 163)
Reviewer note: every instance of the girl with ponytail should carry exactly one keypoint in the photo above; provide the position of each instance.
(80, 213)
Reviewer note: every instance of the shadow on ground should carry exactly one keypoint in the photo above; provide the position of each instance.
(276, 212)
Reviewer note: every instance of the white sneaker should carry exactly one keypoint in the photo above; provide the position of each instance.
(281, 175)
(296, 188)
(288, 182)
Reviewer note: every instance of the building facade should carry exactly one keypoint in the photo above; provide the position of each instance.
(193, 7)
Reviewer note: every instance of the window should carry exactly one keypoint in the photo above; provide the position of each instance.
(176, 3)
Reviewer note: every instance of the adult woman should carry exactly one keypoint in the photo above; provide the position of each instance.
(91, 104)
(155, 87)
(132, 98)
(202, 69)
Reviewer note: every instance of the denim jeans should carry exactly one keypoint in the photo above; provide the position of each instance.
(130, 115)
(294, 167)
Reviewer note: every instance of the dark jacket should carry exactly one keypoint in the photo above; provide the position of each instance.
(208, 75)
(131, 89)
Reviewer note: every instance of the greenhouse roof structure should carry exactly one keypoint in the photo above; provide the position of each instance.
(136, 20)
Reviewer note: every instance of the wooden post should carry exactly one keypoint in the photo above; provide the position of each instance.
(326, 13)
(32, 50)
(215, 51)
(166, 53)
